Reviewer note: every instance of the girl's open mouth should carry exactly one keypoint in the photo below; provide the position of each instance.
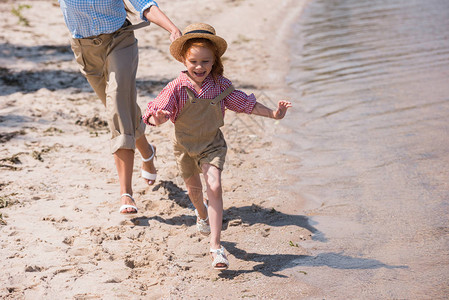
(199, 74)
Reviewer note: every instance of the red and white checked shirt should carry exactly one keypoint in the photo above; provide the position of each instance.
(174, 96)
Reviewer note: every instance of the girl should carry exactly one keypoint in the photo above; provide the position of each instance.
(195, 102)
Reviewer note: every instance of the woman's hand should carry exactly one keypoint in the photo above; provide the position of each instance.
(156, 16)
(176, 33)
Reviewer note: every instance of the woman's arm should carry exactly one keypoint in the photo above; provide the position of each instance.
(155, 15)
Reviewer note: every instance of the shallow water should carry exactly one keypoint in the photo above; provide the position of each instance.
(371, 129)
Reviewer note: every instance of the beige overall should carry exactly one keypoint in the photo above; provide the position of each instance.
(198, 138)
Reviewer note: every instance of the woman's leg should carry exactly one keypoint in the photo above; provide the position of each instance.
(212, 176)
(145, 151)
(124, 161)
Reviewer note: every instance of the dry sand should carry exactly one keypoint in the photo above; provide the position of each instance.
(62, 236)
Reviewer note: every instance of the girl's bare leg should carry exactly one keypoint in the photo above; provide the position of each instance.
(195, 191)
(212, 176)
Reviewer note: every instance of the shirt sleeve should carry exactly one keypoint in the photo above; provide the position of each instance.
(166, 100)
(238, 100)
(142, 5)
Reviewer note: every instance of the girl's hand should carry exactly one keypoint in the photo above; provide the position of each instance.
(160, 117)
(283, 106)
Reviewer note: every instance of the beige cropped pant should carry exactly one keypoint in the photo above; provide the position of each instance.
(109, 63)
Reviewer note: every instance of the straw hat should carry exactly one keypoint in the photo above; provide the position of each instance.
(197, 30)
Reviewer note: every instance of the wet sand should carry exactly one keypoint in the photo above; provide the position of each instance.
(372, 140)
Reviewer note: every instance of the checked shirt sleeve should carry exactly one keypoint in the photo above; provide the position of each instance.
(142, 5)
(166, 100)
(238, 101)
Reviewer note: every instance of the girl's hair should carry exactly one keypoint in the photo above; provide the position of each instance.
(217, 68)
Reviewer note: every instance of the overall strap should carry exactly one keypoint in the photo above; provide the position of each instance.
(223, 95)
(191, 95)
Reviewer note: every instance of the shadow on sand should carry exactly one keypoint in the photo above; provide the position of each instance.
(269, 264)
(52, 78)
(248, 215)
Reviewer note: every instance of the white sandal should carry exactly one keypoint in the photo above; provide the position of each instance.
(145, 174)
(125, 206)
(220, 258)
(201, 225)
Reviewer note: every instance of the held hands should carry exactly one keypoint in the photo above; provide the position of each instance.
(160, 117)
(175, 34)
(280, 112)
(156, 16)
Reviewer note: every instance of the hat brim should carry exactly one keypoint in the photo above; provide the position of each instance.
(176, 45)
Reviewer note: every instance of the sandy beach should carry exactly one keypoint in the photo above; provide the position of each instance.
(61, 236)
(345, 198)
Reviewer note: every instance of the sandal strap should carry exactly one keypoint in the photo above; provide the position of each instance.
(220, 258)
(127, 195)
(151, 156)
(125, 206)
(219, 251)
(198, 216)
(148, 176)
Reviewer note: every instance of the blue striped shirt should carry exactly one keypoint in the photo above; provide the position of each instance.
(86, 18)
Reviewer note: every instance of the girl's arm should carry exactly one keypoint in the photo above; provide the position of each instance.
(155, 15)
(261, 110)
(164, 106)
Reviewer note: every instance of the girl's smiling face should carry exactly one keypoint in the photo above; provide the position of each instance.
(199, 62)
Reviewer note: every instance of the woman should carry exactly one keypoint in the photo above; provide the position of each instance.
(106, 51)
